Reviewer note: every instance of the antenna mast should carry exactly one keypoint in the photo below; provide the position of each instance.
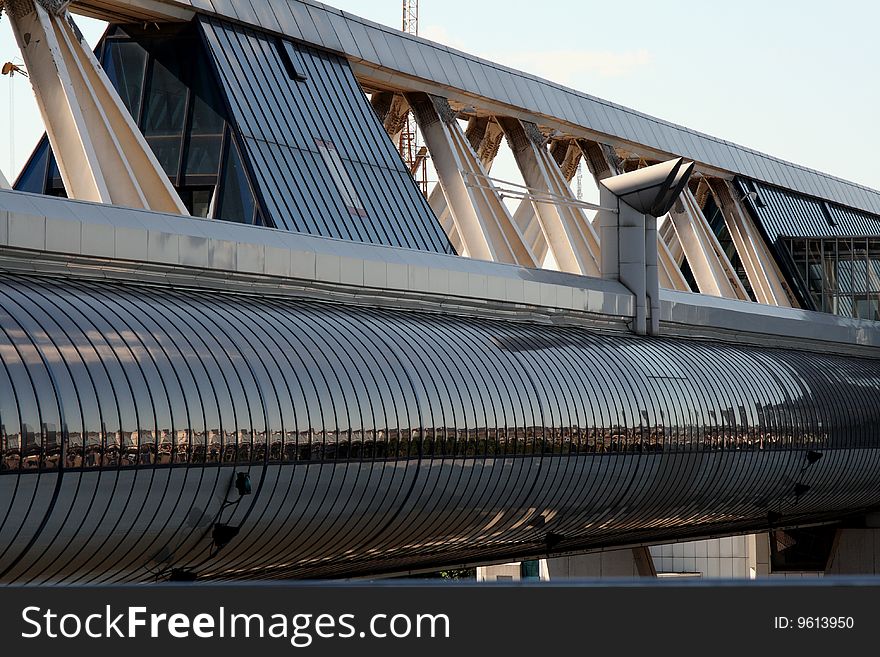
(413, 153)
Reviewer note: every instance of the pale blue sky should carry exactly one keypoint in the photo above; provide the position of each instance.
(795, 79)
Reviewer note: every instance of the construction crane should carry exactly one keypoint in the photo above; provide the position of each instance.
(11, 69)
(413, 153)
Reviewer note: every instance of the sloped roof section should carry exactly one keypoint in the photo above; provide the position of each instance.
(319, 155)
(783, 213)
(393, 52)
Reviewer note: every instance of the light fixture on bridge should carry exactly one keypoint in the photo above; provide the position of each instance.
(813, 456)
(243, 484)
(800, 490)
(223, 534)
(552, 539)
(654, 189)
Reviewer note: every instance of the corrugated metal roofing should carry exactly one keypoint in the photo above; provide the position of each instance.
(378, 45)
(783, 213)
(854, 222)
(321, 160)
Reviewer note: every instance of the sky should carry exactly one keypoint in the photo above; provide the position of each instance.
(797, 80)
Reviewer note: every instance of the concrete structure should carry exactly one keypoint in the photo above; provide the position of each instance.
(320, 372)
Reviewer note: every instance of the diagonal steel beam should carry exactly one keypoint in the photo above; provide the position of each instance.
(481, 219)
(567, 232)
(760, 266)
(101, 153)
(484, 135)
(711, 268)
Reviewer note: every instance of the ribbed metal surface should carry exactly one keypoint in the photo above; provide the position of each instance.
(380, 440)
(852, 223)
(321, 160)
(378, 45)
(784, 213)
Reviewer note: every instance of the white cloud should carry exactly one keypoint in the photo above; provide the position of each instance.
(571, 66)
(565, 66)
(440, 34)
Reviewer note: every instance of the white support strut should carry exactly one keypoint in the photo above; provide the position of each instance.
(710, 266)
(481, 219)
(568, 233)
(484, 136)
(761, 268)
(101, 153)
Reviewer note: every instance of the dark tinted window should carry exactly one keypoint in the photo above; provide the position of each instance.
(33, 176)
(236, 199)
(125, 63)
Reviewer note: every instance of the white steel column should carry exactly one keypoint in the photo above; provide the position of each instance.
(480, 217)
(4, 184)
(569, 234)
(101, 153)
(670, 272)
(484, 135)
(763, 273)
(710, 266)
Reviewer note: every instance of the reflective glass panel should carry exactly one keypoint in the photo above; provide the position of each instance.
(33, 177)
(203, 156)
(166, 98)
(236, 199)
(125, 63)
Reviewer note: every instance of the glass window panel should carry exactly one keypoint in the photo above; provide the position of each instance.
(860, 265)
(54, 184)
(203, 156)
(866, 307)
(197, 200)
(165, 110)
(799, 255)
(125, 63)
(844, 267)
(236, 199)
(829, 255)
(167, 150)
(873, 307)
(33, 177)
(874, 265)
(843, 306)
(207, 112)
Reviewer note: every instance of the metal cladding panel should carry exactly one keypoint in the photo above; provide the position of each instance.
(266, 16)
(361, 37)
(304, 22)
(329, 39)
(783, 213)
(348, 42)
(378, 440)
(854, 223)
(286, 19)
(320, 160)
(247, 13)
